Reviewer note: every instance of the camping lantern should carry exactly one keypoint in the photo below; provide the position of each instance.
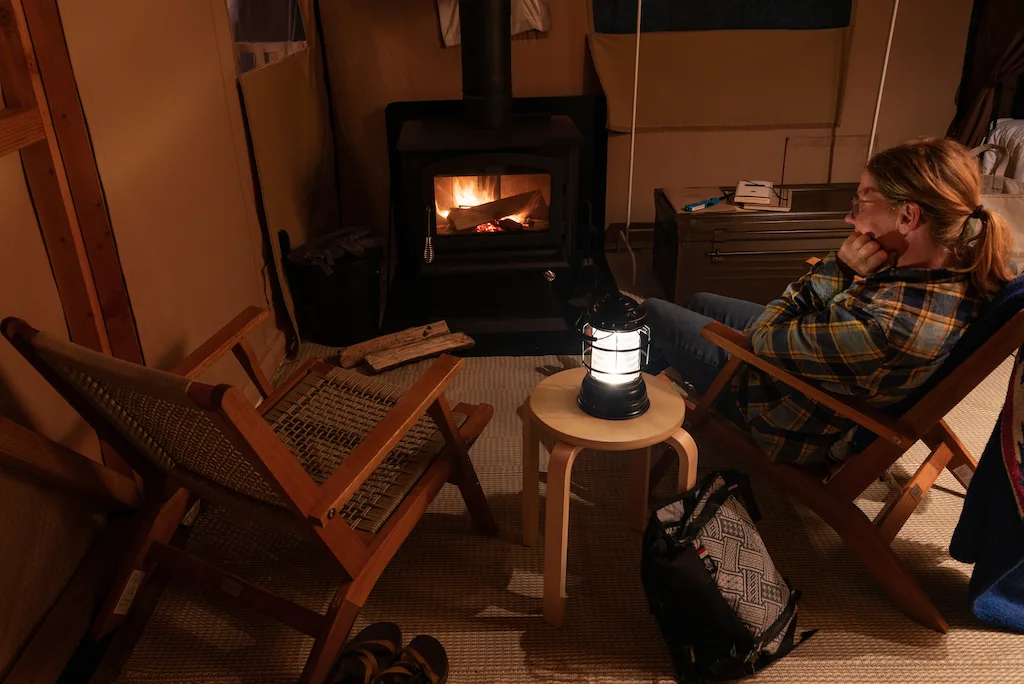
(615, 347)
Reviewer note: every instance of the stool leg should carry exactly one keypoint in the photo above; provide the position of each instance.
(686, 449)
(636, 497)
(556, 531)
(531, 477)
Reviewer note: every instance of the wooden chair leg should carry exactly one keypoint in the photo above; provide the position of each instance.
(961, 464)
(556, 531)
(686, 449)
(845, 518)
(157, 523)
(464, 474)
(531, 477)
(639, 486)
(892, 519)
(340, 618)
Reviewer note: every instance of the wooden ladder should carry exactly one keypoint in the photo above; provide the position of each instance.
(47, 126)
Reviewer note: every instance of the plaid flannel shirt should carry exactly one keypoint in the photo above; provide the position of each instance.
(873, 340)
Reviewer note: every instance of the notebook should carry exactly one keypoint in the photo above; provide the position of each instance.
(778, 199)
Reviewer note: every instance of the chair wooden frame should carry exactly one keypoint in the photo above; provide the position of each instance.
(362, 555)
(833, 499)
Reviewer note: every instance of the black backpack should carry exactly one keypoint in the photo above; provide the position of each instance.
(722, 607)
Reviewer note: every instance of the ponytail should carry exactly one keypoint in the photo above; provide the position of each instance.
(987, 251)
(942, 178)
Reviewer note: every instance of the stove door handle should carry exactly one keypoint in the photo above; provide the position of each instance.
(428, 246)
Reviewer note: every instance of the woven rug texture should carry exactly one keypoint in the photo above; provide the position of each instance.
(482, 597)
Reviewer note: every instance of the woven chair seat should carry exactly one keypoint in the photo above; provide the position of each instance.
(324, 417)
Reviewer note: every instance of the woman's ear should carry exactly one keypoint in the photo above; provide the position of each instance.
(908, 217)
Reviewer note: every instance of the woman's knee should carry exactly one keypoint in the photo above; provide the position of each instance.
(735, 313)
(707, 303)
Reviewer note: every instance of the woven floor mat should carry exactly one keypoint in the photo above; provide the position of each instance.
(482, 597)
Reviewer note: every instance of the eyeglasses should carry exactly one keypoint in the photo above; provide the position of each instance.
(856, 202)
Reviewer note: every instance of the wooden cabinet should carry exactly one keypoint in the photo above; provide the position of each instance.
(750, 255)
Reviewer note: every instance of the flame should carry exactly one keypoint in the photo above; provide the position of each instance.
(469, 191)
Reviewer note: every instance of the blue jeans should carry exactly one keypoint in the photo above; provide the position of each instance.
(676, 340)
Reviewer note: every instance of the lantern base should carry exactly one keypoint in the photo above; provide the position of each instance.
(613, 402)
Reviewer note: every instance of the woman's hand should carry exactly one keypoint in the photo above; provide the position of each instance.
(861, 254)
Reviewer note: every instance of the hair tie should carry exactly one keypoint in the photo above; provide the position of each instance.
(979, 212)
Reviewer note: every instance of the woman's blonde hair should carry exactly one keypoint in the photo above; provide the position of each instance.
(942, 178)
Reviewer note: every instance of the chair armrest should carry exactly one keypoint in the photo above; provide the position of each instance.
(232, 337)
(361, 462)
(23, 450)
(739, 346)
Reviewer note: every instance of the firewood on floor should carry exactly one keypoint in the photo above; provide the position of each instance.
(354, 355)
(395, 356)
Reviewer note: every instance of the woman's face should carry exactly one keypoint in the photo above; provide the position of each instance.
(877, 216)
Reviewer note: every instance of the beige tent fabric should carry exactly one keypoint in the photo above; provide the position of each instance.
(721, 79)
(290, 133)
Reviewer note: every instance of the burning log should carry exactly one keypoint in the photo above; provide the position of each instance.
(526, 204)
(508, 225)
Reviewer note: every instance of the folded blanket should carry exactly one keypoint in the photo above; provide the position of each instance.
(1012, 432)
(990, 533)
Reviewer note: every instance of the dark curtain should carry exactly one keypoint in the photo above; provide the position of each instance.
(995, 57)
(619, 16)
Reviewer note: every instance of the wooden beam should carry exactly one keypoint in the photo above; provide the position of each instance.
(19, 128)
(23, 450)
(48, 186)
(69, 125)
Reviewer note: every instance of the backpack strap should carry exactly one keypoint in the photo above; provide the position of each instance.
(735, 484)
(773, 630)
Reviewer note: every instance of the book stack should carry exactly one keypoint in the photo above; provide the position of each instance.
(761, 196)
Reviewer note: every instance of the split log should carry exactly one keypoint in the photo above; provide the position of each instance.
(389, 358)
(354, 354)
(530, 203)
(508, 225)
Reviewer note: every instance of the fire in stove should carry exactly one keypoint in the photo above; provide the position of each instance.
(500, 203)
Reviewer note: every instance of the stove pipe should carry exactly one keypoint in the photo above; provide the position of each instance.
(486, 61)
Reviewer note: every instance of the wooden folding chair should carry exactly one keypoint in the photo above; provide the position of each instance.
(983, 347)
(344, 460)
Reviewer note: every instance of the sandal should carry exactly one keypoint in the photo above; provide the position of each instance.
(372, 650)
(423, 661)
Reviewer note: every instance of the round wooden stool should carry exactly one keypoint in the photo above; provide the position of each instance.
(552, 412)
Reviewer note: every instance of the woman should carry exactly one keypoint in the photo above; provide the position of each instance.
(928, 255)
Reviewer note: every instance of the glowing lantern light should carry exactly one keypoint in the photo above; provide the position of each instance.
(615, 349)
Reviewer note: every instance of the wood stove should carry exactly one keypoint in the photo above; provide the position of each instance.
(479, 199)
(486, 203)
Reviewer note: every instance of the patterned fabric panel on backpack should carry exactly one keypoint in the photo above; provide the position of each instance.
(732, 549)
